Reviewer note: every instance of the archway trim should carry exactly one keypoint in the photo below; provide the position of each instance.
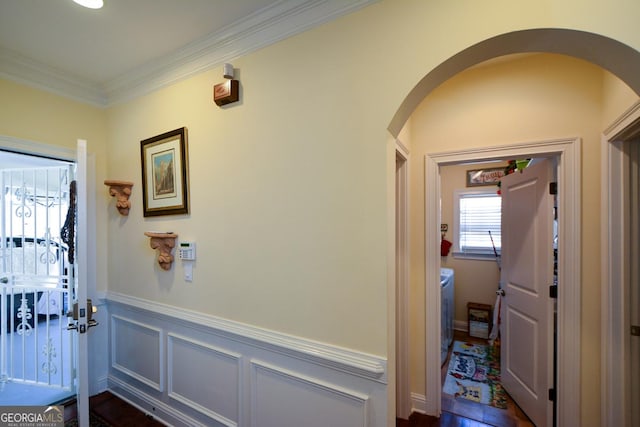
(612, 55)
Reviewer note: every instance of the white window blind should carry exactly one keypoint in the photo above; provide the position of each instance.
(477, 214)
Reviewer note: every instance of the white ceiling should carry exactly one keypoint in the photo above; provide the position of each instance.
(131, 47)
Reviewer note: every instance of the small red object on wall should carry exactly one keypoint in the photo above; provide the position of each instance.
(445, 246)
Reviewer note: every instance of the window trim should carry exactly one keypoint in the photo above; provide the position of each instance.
(480, 255)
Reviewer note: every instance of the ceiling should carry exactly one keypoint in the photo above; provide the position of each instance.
(132, 47)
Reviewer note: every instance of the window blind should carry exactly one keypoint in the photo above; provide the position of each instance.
(479, 214)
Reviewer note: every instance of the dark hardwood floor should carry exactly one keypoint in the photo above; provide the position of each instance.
(112, 412)
(447, 419)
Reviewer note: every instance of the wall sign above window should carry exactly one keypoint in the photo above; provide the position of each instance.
(479, 177)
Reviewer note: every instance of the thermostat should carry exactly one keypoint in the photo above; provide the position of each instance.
(187, 251)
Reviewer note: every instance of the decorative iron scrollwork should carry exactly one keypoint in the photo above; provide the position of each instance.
(24, 314)
(49, 352)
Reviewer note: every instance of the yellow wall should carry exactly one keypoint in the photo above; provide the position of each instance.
(290, 187)
(530, 98)
(617, 96)
(36, 116)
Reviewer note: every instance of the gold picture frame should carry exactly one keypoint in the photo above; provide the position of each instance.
(165, 174)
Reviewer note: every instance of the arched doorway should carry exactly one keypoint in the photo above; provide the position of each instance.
(616, 57)
(611, 55)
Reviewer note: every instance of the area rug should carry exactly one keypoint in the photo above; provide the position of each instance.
(474, 374)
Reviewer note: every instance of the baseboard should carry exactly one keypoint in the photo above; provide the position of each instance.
(418, 403)
(461, 325)
(99, 385)
(149, 405)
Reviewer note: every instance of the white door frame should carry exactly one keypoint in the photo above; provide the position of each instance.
(403, 395)
(569, 265)
(616, 396)
(24, 146)
(87, 256)
(81, 266)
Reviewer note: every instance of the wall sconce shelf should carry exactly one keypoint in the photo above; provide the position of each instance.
(121, 190)
(164, 243)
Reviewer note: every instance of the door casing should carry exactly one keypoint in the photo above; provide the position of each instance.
(569, 264)
(616, 262)
(403, 394)
(97, 381)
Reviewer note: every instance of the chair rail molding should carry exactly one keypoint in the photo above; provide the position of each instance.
(206, 370)
(351, 361)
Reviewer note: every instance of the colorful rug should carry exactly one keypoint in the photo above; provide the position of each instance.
(474, 374)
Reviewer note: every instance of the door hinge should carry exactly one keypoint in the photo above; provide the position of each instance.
(552, 394)
(635, 330)
(553, 188)
(553, 291)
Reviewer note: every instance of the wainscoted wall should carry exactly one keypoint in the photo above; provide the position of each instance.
(187, 368)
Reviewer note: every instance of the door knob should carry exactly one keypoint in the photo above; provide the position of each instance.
(77, 312)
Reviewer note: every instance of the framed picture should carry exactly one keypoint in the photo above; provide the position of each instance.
(165, 174)
(479, 177)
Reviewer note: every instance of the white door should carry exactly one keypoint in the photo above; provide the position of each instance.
(527, 273)
(81, 279)
(35, 347)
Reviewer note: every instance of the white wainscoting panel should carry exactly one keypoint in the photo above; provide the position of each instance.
(129, 339)
(223, 373)
(302, 401)
(209, 382)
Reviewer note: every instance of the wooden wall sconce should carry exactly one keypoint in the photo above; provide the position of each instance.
(121, 190)
(227, 92)
(164, 243)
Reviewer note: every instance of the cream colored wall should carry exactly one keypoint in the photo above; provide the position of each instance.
(288, 196)
(289, 188)
(36, 116)
(288, 191)
(289, 181)
(533, 98)
(617, 96)
(475, 280)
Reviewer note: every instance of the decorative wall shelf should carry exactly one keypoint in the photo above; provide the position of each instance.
(121, 190)
(164, 243)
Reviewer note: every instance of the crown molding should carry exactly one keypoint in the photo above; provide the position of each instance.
(20, 69)
(272, 24)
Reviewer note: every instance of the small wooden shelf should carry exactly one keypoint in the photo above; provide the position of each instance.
(164, 243)
(479, 317)
(121, 190)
